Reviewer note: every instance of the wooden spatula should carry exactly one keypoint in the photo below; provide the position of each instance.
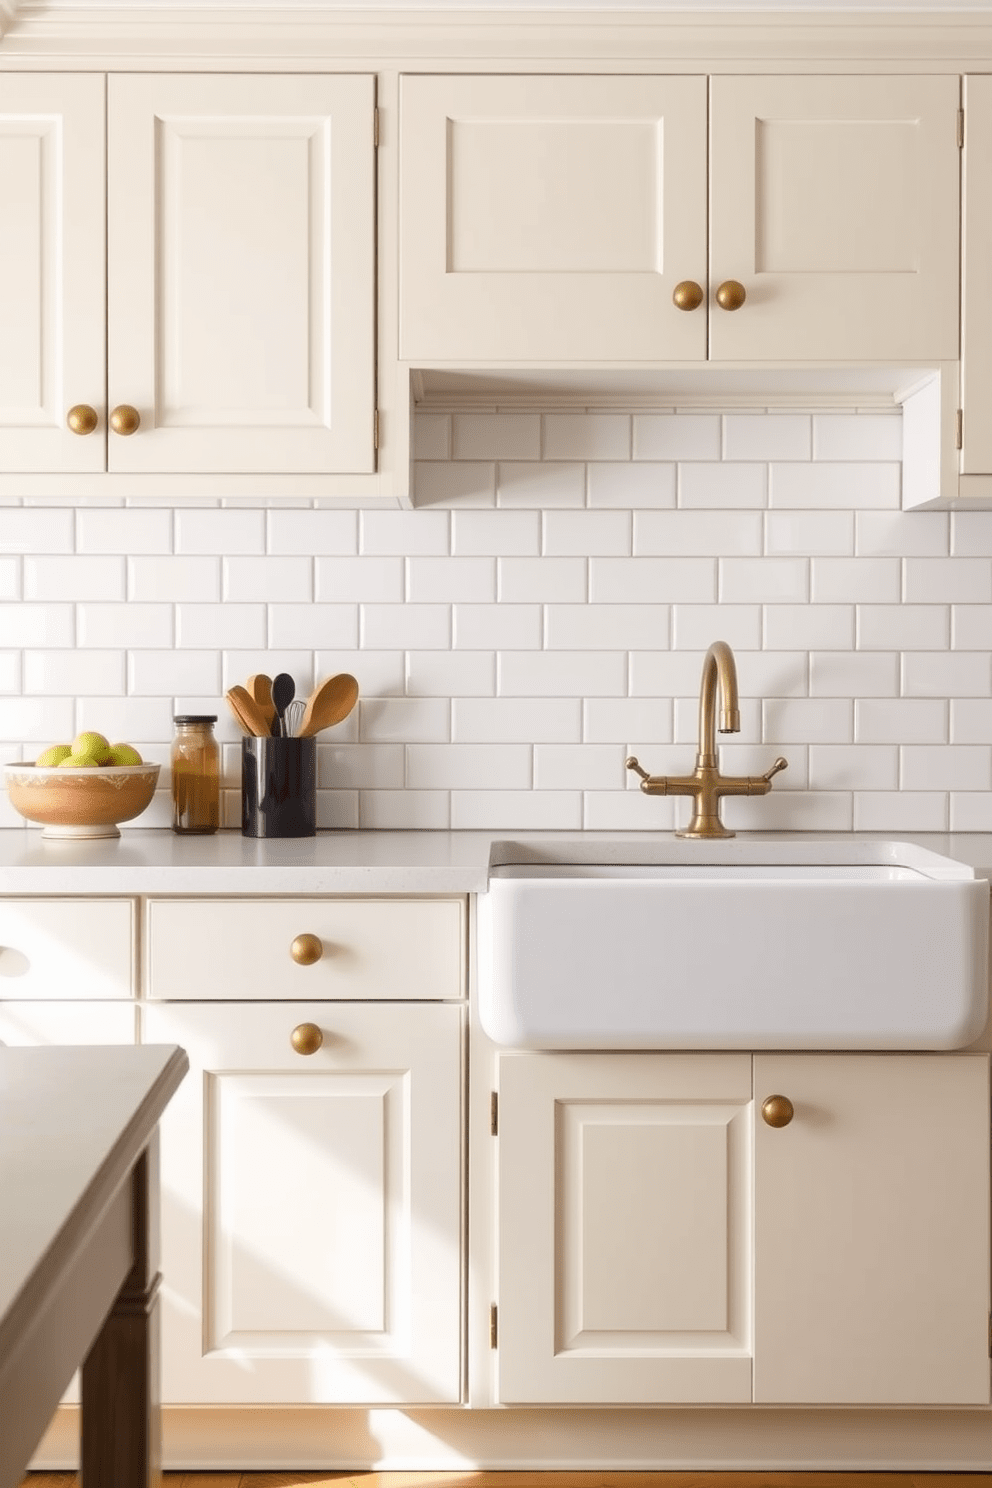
(260, 688)
(328, 704)
(247, 711)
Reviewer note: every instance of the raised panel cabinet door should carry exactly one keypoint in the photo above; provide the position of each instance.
(624, 1229)
(311, 1205)
(241, 272)
(550, 218)
(976, 283)
(52, 271)
(872, 1230)
(834, 202)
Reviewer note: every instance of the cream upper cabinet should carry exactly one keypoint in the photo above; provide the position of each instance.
(659, 1241)
(238, 275)
(550, 218)
(976, 283)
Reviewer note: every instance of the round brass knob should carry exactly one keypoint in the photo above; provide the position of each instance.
(777, 1110)
(731, 295)
(306, 950)
(81, 418)
(687, 295)
(125, 419)
(306, 1038)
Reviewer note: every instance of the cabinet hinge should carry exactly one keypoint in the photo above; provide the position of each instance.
(960, 129)
(959, 429)
(375, 429)
(493, 1328)
(494, 1114)
(375, 129)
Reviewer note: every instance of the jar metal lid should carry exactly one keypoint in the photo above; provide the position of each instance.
(194, 718)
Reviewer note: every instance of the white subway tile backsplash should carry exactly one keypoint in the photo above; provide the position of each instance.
(312, 532)
(419, 720)
(145, 722)
(630, 811)
(682, 534)
(406, 532)
(642, 485)
(74, 578)
(317, 625)
(158, 673)
(723, 486)
(10, 672)
(687, 726)
(432, 436)
(251, 579)
(196, 580)
(532, 811)
(854, 580)
(593, 533)
(338, 580)
(971, 534)
(676, 436)
(657, 581)
(853, 485)
(809, 532)
(607, 627)
(888, 534)
(857, 436)
(589, 767)
(37, 720)
(562, 674)
(497, 534)
(826, 627)
(540, 486)
(498, 627)
(451, 674)
(900, 721)
(469, 767)
(808, 720)
(764, 580)
(666, 673)
(404, 810)
(496, 436)
(434, 580)
(543, 580)
(337, 811)
(948, 580)
(971, 627)
(220, 626)
(900, 811)
(947, 674)
(10, 578)
(790, 811)
(132, 531)
(516, 720)
(455, 483)
(946, 767)
(854, 674)
(902, 627)
(586, 436)
(971, 721)
(696, 626)
(767, 436)
(970, 811)
(360, 766)
(378, 673)
(222, 531)
(26, 531)
(44, 625)
(74, 673)
(853, 767)
(421, 627)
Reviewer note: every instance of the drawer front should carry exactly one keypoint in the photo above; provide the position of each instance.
(57, 949)
(235, 949)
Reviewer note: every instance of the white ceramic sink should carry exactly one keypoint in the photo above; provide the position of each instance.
(743, 944)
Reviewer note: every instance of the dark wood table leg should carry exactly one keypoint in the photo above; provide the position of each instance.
(121, 1441)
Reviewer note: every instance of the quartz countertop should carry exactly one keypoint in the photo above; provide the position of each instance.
(156, 861)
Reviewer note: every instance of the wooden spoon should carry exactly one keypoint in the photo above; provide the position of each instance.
(247, 711)
(260, 687)
(328, 704)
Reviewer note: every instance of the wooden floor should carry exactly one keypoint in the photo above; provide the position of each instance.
(548, 1480)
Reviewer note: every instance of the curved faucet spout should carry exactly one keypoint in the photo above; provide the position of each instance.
(720, 668)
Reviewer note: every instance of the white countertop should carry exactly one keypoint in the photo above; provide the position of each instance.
(156, 861)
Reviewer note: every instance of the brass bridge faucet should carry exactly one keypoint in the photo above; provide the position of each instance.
(706, 785)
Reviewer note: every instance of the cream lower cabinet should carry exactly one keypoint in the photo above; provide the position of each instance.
(311, 1204)
(659, 1242)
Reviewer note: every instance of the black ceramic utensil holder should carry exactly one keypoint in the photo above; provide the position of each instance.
(278, 787)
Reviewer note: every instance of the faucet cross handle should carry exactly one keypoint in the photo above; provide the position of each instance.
(780, 764)
(631, 764)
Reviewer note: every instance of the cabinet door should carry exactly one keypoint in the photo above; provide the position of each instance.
(549, 218)
(311, 1205)
(241, 272)
(834, 201)
(624, 1228)
(872, 1231)
(976, 285)
(52, 316)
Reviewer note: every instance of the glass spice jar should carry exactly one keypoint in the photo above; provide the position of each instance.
(195, 774)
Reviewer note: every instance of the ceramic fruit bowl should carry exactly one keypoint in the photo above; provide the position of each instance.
(81, 803)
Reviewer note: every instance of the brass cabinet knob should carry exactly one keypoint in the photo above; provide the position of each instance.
(777, 1110)
(731, 295)
(125, 419)
(82, 419)
(687, 295)
(306, 949)
(306, 1038)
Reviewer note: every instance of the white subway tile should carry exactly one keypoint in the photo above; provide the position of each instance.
(946, 767)
(900, 811)
(543, 580)
(72, 578)
(447, 580)
(586, 436)
(413, 720)
(902, 627)
(971, 721)
(652, 580)
(756, 759)
(498, 627)
(302, 625)
(454, 483)
(496, 436)
(854, 674)
(900, 721)
(666, 673)
(857, 436)
(866, 767)
(78, 673)
(621, 627)
(540, 485)
(131, 720)
(312, 532)
(696, 626)
(219, 626)
(971, 627)
(723, 486)
(196, 580)
(374, 580)
(337, 811)
(767, 436)
(948, 674)
(42, 625)
(764, 674)
(562, 674)
(237, 665)
(496, 533)
(469, 766)
(699, 533)
(621, 720)
(432, 436)
(948, 580)
(764, 580)
(827, 627)
(158, 673)
(378, 673)
(677, 436)
(808, 720)
(971, 534)
(419, 627)
(10, 578)
(224, 532)
(404, 810)
(645, 484)
(516, 720)
(579, 767)
(359, 766)
(970, 811)
(451, 674)
(809, 532)
(856, 484)
(533, 811)
(37, 720)
(405, 532)
(856, 580)
(289, 579)
(586, 533)
(129, 532)
(627, 811)
(10, 672)
(790, 811)
(687, 725)
(25, 531)
(894, 534)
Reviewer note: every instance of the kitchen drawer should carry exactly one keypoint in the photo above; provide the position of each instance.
(226, 949)
(66, 948)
